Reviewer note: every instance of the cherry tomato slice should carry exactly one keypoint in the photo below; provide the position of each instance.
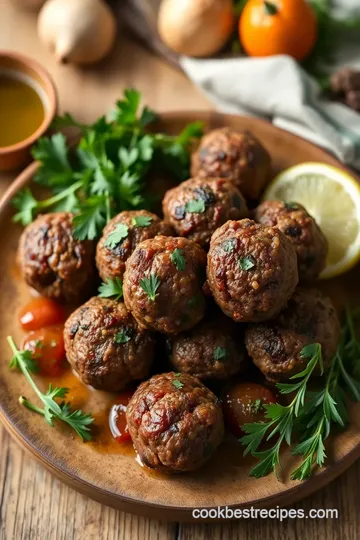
(117, 419)
(41, 312)
(47, 348)
(243, 404)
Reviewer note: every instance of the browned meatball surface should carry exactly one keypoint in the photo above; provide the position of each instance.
(55, 263)
(163, 284)
(251, 271)
(175, 422)
(120, 237)
(105, 345)
(235, 155)
(301, 229)
(197, 207)
(275, 346)
(213, 349)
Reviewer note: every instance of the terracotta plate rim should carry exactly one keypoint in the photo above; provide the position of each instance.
(183, 513)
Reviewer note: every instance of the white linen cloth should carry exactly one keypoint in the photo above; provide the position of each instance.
(278, 89)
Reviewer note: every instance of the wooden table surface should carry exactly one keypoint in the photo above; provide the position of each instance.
(33, 505)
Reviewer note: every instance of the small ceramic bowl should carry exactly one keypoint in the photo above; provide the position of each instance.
(17, 155)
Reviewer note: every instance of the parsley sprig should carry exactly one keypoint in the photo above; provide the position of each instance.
(310, 415)
(51, 409)
(111, 288)
(150, 285)
(107, 171)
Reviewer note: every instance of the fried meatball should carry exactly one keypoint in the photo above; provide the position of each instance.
(294, 221)
(54, 262)
(213, 349)
(120, 237)
(251, 271)
(105, 345)
(175, 422)
(275, 346)
(163, 284)
(235, 155)
(197, 207)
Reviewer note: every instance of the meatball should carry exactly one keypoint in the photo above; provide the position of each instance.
(54, 262)
(212, 349)
(294, 221)
(235, 155)
(243, 403)
(163, 284)
(276, 346)
(175, 422)
(120, 237)
(197, 207)
(105, 345)
(252, 270)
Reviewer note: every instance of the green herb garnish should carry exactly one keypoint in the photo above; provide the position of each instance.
(52, 410)
(106, 173)
(178, 259)
(246, 263)
(291, 206)
(120, 232)
(178, 384)
(229, 245)
(219, 353)
(123, 336)
(150, 285)
(142, 221)
(311, 414)
(195, 206)
(256, 406)
(112, 288)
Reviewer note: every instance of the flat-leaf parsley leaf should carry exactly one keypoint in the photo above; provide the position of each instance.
(178, 259)
(246, 263)
(150, 285)
(195, 206)
(142, 221)
(111, 288)
(120, 232)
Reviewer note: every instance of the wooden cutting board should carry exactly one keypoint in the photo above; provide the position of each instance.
(141, 16)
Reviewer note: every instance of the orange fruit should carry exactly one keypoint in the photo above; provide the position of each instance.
(267, 28)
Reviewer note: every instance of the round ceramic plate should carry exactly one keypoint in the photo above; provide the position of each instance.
(112, 477)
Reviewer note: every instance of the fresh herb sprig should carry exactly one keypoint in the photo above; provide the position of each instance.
(311, 415)
(111, 288)
(51, 410)
(107, 171)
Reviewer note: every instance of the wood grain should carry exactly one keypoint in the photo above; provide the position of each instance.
(33, 505)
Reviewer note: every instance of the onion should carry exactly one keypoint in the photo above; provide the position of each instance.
(78, 31)
(196, 27)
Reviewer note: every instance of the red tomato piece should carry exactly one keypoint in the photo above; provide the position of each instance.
(47, 348)
(41, 312)
(117, 418)
(243, 403)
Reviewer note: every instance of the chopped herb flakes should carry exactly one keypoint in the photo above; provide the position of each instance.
(246, 263)
(178, 259)
(123, 336)
(256, 406)
(142, 221)
(195, 206)
(291, 206)
(229, 245)
(219, 353)
(178, 384)
(150, 285)
(117, 235)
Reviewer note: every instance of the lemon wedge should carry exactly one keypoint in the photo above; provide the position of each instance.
(332, 197)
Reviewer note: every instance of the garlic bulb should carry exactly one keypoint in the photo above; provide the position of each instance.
(77, 31)
(196, 27)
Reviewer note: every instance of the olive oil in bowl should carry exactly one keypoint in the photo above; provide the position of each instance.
(22, 109)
